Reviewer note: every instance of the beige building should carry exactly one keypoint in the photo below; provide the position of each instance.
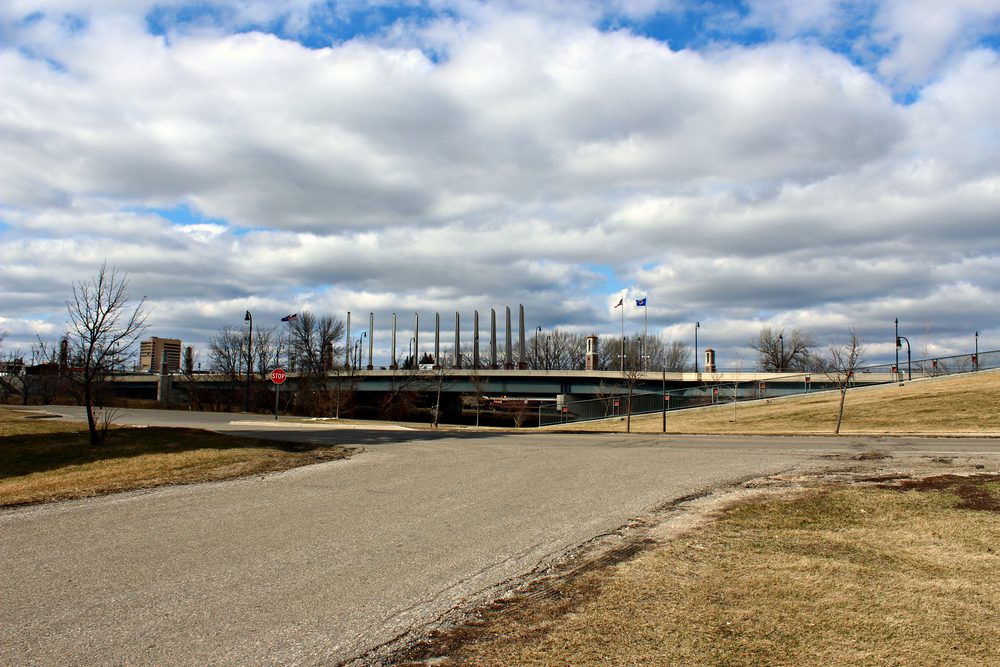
(151, 352)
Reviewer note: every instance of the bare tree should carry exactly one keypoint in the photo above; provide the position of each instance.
(478, 390)
(733, 384)
(676, 357)
(607, 394)
(630, 376)
(780, 352)
(400, 399)
(226, 356)
(43, 379)
(571, 351)
(316, 343)
(225, 352)
(557, 350)
(103, 329)
(11, 374)
(609, 353)
(843, 361)
(267, 344)
(438, 378)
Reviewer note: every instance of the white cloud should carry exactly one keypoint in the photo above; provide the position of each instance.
(778, 182)
(925, 34)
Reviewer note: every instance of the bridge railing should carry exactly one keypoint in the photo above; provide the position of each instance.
(617, 402)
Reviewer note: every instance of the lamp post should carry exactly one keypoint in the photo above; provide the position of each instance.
(975, 366)
(697, 325)
(909, 370)
(781, 359)
(410, 358)
(547, 339)
(249, 318)
(538, 332)
(358, 350)
(896, 369)
(663, 380)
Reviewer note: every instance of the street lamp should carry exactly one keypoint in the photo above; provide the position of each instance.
(538, 332)
(975, 366)
(781, 359)
(697, 325)
(249, 318)
(358, 349)
(547, 339)
(909, 370)
(896, 369)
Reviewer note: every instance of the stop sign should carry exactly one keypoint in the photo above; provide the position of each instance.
(278, 376)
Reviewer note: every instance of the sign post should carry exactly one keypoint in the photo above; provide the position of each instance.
(278, 376)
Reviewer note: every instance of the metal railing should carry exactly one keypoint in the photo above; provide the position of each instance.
(618, 402)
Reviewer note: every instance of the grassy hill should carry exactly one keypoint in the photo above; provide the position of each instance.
(967, 404)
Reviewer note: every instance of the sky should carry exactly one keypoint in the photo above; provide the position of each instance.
(799, 164)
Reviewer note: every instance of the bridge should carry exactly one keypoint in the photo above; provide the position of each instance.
(551, 395)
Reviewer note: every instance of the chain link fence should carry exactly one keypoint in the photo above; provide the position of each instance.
(729, 387)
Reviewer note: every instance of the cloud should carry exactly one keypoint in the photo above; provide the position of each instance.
(924, 35)
(738, 183)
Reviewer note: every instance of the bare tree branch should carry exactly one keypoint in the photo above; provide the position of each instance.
(103, 329)
(843, 361)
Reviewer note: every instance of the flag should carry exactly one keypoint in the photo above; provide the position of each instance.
(620, 302)
(290, 318)
(640, 303)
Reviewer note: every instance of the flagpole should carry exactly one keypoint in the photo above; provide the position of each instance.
(645, 335)
(623, 336)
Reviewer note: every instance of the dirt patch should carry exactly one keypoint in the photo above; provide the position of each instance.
(972, 489)
(873, 455)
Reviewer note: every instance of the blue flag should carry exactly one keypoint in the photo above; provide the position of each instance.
(640, 302)
(290, 318)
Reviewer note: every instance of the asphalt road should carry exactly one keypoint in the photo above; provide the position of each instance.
(320, 565)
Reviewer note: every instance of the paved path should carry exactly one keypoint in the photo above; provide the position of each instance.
(320, 564)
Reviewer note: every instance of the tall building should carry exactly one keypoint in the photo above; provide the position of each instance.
(151, 352)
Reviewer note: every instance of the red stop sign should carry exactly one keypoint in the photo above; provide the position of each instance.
(278, 376)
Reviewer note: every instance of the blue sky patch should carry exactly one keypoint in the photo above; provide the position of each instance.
(695, 27)
(327, 24)
(612, 283)
(182, 214)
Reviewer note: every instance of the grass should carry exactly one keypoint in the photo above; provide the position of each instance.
(966, 404)
(873, 576)
(45, 459)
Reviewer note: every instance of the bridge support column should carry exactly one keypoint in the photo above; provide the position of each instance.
(522, 362)
(163, 382)
(475, 339)
(392, 355)
(508, 361)
(437, 340)
(458, 343)
(347, 339)
(371, 338)
(493, 338)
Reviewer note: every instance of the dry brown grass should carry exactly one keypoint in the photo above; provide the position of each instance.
(842, 576)
(965, 404)
(45, 459)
